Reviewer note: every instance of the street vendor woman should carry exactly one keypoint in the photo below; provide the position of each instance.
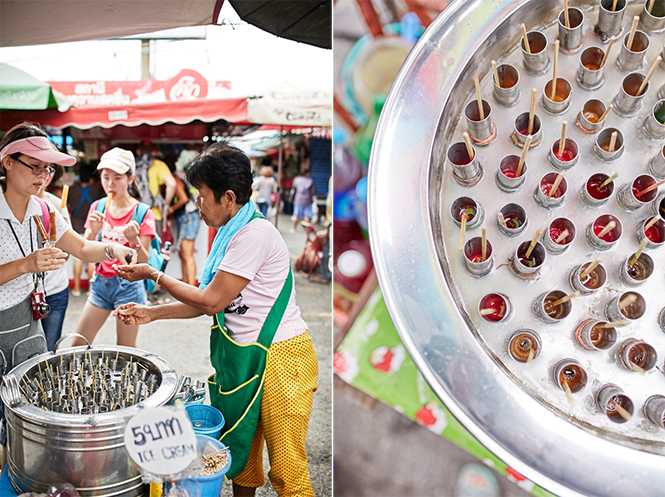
(34, 238)
(258, 338)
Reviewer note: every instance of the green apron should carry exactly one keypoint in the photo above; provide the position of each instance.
(237, 385)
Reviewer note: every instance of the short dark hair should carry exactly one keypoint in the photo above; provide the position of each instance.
(222, 168)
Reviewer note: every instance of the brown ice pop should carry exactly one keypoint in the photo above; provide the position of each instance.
(41, 229)
(53, 235)
(108, 203)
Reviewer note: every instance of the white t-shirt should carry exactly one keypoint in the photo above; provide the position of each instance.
(56, 281)
(17, 290)
(258, 252)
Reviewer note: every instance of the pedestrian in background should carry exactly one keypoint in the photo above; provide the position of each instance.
(188, 223)
(264, 187)
(81, 196)
(115, 223)
(305, 190)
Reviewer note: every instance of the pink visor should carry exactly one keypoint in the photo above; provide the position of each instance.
(38, 147)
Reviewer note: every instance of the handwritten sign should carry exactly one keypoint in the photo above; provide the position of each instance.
(161, 441)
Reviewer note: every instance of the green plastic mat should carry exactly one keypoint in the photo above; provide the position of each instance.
(372, 359)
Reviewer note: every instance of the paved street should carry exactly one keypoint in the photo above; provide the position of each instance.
(185, 344)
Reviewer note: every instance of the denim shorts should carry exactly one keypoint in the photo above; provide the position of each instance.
(301, 211)
(110, 293)
(188, 225)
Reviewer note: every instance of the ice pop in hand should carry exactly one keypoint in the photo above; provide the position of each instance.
(53, 236)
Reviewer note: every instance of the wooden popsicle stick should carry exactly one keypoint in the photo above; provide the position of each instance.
(532, 110)
(483, 247)
(525, 148)
(604, 115)
(650, 6)
(631, 36)
(653, 221)
(481, 110)
(637, 368)
(649, 188)
(502, 219)
(612, 324)
(613, 141)
(649, 74)
(614, 5)
(469, 147)
(65, 194)
(566, 18)
(569, 393)
(565, 299)
(525, 38)
(555, 186)
(487, 312)
(496, 74)
(461, 234)
(561, 237)
(562, 141)
(609, 227)
(590, 268)
(607, 52)
(533, 243)
(637, 254)
(532, 354)
(554, 68)
(622, 412)
(609, 180)
(626, 301)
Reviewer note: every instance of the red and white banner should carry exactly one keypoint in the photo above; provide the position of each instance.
(186, 85)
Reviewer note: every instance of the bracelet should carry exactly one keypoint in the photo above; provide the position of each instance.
(158, 276)
(106, 251)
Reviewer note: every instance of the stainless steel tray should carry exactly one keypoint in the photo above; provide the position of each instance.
(516, 412)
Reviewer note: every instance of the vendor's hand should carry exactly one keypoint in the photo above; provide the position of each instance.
(124, 254)
(136, 272)
(131, 232)
(133, 314)
(96, 221)
(46, 259)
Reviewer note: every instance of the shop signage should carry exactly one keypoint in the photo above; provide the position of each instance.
(161, 441)
(186, 85)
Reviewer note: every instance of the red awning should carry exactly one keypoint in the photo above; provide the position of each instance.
(232, 110)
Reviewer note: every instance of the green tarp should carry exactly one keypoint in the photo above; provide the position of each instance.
(21, 91)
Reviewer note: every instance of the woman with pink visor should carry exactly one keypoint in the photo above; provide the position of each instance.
(26, 156)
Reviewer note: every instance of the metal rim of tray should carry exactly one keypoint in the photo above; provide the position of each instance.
(526, 435)
(35, 415)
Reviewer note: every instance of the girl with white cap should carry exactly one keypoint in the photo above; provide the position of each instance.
(26, 156)
(116, 218)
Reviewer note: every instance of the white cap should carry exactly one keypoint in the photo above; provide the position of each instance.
(118, 160)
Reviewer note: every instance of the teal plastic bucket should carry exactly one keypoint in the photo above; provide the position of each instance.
(210, 486)
(206, 420)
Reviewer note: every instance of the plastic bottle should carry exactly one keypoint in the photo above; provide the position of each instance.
(362, 141)
(346, 168)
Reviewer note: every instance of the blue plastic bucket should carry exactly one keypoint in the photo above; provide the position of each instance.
(206, 420)
(210, 486)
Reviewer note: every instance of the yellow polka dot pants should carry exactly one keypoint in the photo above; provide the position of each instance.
(290, 382)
